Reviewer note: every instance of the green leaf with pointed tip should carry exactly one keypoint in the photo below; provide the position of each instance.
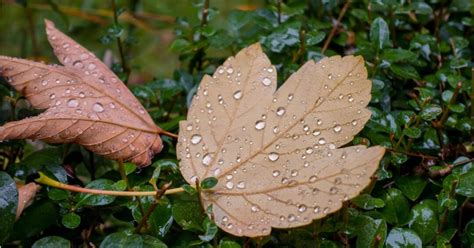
(400, 237)
(367, 202)
(188, 215)
(379, 33)
(8, 205)
(423, 220)
(96, 200)
(372, 234)
(411, 186)
(396, 207)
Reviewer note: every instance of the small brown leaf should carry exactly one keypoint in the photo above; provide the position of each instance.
(26, 195)
(277, 153)
(85, 104)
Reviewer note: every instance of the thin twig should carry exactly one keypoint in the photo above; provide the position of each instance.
(412, 154)
(43, 179)
(160, 193)
(336, 25)
(123, 60)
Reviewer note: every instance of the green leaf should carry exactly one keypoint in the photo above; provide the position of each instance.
(71, 220)
(372, 233)
(181, 46)
(156, 174)
(8, 205)
(211, 230)
(228, 244)
(400, 237)
(367, 202)
(313, 37)
(123, 240)
(398, 55)
(411, 186)
(423, 220)
(468, 234)
(405, 71)
(161, 219)
(188, 215)
(379, 33)
(208, 183)
(396, 207)
(57, 194)
(466, 184)
(36, 218)
(430, 112)
(52, 242)
(412, 132)
(96, 200)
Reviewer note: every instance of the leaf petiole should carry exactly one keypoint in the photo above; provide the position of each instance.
(43, 179)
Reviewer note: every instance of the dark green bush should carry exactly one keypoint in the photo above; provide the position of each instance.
(419, 55)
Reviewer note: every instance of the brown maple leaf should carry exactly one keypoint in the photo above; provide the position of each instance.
(85, 104)
(277, 154)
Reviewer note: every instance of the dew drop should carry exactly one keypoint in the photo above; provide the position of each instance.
(306, 128)
(332, 146)
(266, 81)
(52, 96)
(112, 105)
(229, 185)
(276, 173)
(316, 132)
(230, 70)
(329, 76)
(354, 123)
(290, 97)
(82, 95)
(77, 64)
(312, 179)
(333, 190)
(302, 208)
(44, 82)
(195, 139)
(322, 141)
(319, 122)
(241, 185)
(273, 156)
(294, 173)
(337, 181)
(337, 128)
(350, 98)
(316, 210)
(254, 208)
(206, 159)
(259, 125)
(291, 217)
(237, 95)
(280, 111)
(97, 107)
(72, 103)
(91, 66)
(309, 150)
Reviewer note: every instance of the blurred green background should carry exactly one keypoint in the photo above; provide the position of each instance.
(149, 22)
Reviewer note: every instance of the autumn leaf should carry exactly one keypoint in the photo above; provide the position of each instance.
(85, 104)
(277, 153)
(26, 196)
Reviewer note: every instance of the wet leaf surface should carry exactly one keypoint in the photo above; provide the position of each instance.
(275, 152)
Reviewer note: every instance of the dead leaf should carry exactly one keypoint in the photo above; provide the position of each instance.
(85, 104)
(26, 196)
(276, 152)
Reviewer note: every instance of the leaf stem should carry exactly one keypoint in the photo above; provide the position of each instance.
(169, 134)
(336, 25)
(123, 60)
(43, 179)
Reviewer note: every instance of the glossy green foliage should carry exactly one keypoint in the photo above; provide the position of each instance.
(418, 54)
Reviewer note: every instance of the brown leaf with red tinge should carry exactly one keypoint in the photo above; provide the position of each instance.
(277, 154)
(26, 196)
(85, 104)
